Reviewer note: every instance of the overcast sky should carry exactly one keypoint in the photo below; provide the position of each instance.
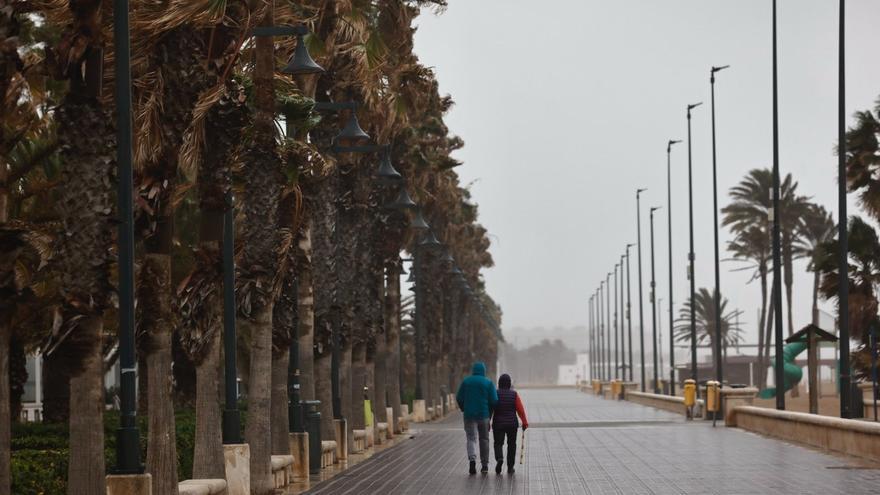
(566, 106)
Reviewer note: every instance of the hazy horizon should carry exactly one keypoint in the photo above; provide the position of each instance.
(566, 109)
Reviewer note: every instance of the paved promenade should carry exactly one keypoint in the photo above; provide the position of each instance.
(582, 444)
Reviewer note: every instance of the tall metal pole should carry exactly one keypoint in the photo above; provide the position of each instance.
(616, 329)
(629, 312)
(691, 255)
(669, 215)
(842, 236)
(590, 334)
(294, 408)
(641, 307)
(417, 319)
(777, 268)
(602, 341)
(719, 371)
(231, 415)
(608, 316)
(654, 304)
(597, 334)
(127, 435)
(623, 362)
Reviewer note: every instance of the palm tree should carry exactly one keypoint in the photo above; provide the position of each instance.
(863, 157)
(817, 228)
(199, 301)
(85, 206)
(704, 304)
(263, 179)
(751, 205)
(864, 278)
(752, 246)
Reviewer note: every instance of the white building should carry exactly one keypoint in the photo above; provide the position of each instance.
(570, 374)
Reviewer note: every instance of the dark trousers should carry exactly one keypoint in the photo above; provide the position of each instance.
(510, 433)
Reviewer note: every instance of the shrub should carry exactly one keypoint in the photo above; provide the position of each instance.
(40, 452)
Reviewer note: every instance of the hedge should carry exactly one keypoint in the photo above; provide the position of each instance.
(40, 452)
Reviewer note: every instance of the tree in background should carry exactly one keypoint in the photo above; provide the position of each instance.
(704, 310)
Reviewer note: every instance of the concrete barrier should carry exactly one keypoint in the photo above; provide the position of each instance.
(129, 484)
(341, 439)
(419, 412)
(299, 447)
(847, 436)
(731, 398)
(665, 402)
(867, 389)
(359, 437)
(238, 468)
(389, 413)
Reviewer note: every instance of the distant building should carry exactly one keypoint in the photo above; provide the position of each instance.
(570, 374)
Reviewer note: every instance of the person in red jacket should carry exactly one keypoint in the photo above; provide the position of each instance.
(505, 424)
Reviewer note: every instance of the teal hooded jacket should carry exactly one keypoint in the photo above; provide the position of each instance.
(476, 395)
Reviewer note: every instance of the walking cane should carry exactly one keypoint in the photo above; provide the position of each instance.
(522, 448)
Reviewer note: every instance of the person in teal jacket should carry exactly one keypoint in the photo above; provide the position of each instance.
(476, 398)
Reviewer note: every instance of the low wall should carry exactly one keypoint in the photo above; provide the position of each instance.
(847, 436)
(665, 402)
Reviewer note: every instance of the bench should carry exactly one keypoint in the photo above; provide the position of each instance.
(282, 470)
(360, 440)
(328, 453)
(202, 487)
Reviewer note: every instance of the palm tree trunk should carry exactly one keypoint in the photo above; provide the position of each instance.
(352, 386)
(258, 430)
(156, 322)
(306, 311)
(280, 427)
(392, 343)
(5, 408)
(346, 368)
(378, 379)
(208, 461)
(816, 276)
(85, 471)
(324, 394)
(262, 179)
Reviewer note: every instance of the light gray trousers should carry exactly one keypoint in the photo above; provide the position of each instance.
(477, 428)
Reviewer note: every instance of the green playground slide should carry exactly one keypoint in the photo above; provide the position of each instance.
(792, 372)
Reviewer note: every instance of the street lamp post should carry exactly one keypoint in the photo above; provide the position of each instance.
(719, 372)
(669, 215)
(616, 329)
(127, 435)
(623, 361)
(777, 269)
(608, 317)
(602, 341)
(843, 241)
(597, 335)
(231, 415)
(629, 311)
(654, 304)
(641, 308)
(691, 255)
(590, 345)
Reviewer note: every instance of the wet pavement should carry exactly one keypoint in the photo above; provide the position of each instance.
(582, 444)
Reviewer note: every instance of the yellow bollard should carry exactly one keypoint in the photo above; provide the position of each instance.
(713, 399)
(690, 397)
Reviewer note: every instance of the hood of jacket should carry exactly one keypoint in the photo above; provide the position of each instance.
(479, 369)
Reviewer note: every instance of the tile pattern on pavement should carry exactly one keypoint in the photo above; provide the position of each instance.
(615, 447)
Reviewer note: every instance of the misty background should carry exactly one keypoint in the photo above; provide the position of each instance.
(566, 106)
